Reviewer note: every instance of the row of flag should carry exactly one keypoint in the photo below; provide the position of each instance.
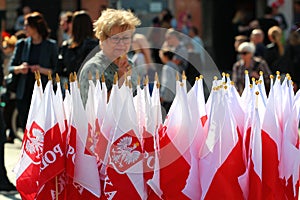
(229, 147)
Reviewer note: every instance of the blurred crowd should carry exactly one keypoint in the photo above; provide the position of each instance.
(266, 44)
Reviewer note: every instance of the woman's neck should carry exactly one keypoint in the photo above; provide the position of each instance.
(247, 63)
(36, 39)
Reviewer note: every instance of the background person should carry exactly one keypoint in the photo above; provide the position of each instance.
(35, 53)
(168, 79)
(257, 38)
(74, 50)
(5, 184)
(141, 58)
(275, 52)
(19, 25)
(173, 42)
(65, 26)
(251, 63)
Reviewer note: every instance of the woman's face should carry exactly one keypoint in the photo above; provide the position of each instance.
(118, 43)
(29, 30)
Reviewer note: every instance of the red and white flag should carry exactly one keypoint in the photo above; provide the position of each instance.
(153, 126)
(53, 148)
(100, 103)
(199, 90)
(271, 146)
(110, 118)
(221, 161)
(289, 163)
(91, 109)
(86, 177)
(124, 177)
(28, 166)
(251, 180)
(193, 188)
(174, 148)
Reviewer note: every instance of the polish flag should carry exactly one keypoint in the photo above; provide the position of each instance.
(53, 149)
(251, 180)
(271, 146)
(86, 177)
(153, 126)
(174, 153)
(289, 163)
(221, 161)
(124, 176)
(106, 129)
(28, 166)
(100, 103)
(91, 110)
(199, 90)
(192, 188)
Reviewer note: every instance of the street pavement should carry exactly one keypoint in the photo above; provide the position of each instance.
(11, 157)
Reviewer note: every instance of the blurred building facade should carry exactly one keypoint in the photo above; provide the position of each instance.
(213, 18)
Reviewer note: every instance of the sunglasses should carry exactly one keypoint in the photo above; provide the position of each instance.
(243, 53)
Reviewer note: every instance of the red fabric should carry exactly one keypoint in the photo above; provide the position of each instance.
(71, 151)
(288, 189)
(149, 155)
(89, 141)
(149, 158)
(117, 184)
(203, 119)
(26, 183)
(272, 186)
(77, 192)
(225, 182)
(53, 160)
(174, 169)
(49, 190)
(255, 184)
(101, 144)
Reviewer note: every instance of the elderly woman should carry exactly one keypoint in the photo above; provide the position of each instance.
(248, 62)
(114, 29)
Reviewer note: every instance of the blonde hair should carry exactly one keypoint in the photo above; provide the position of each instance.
(110, 18)
(275, 35)
(143, 46)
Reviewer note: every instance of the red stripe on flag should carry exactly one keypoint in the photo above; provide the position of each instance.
(272, 186)
(174, 169)
(255, 184)
(225, 182)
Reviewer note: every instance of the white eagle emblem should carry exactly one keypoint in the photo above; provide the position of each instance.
(35, 142)
(125, 152)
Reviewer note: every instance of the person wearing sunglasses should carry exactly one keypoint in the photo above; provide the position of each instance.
(114, 29)
(251, 63)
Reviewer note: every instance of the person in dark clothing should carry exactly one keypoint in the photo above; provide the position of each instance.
(275, 52)
(293, 55)
(35, 53)
(279, 17)
(265, 23)
(73, 52)
(257, 38)
(5, 184)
